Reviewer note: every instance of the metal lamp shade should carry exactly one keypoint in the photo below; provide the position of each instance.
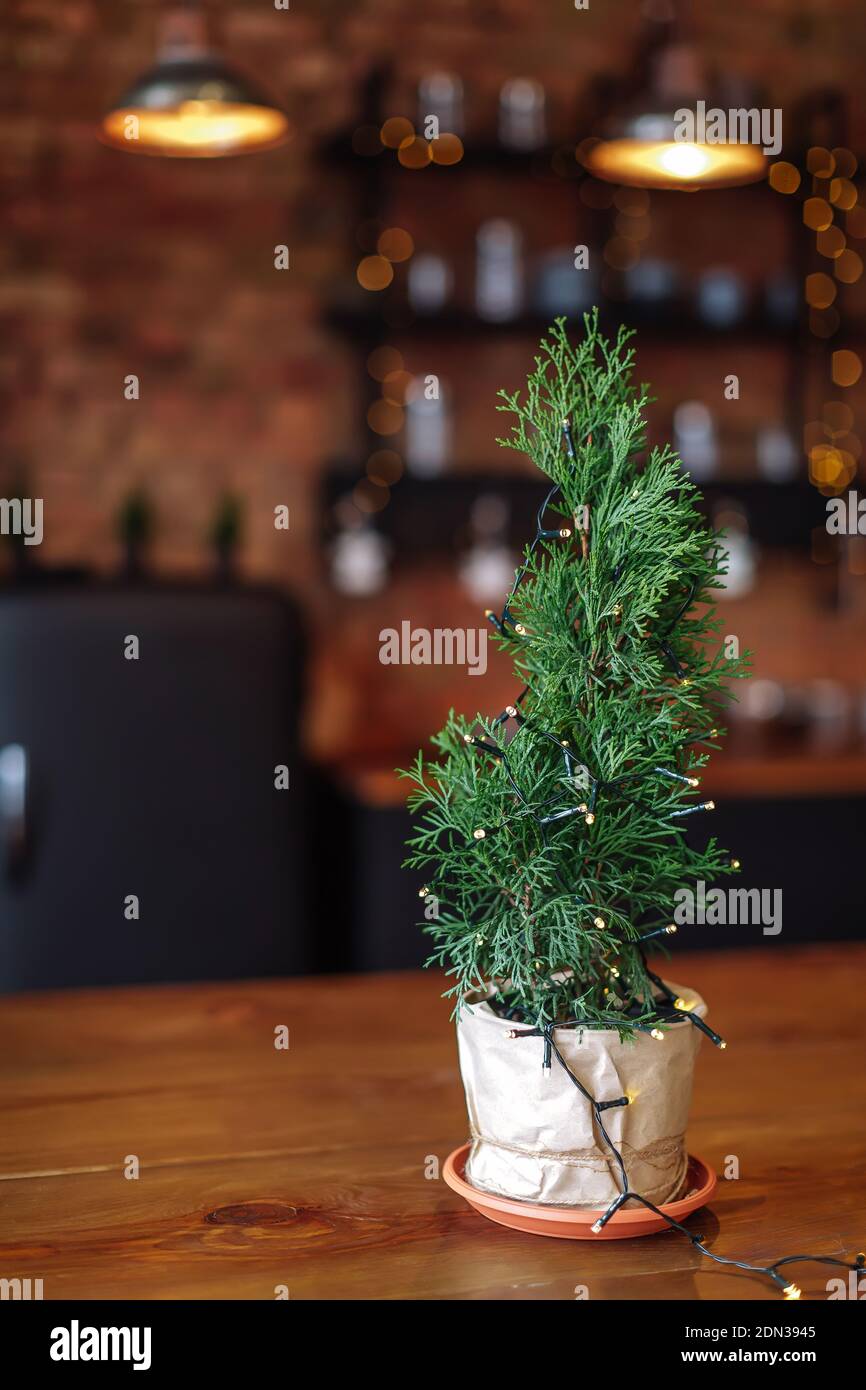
(194, 107)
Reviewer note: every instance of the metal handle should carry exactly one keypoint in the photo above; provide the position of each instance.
(13, 803)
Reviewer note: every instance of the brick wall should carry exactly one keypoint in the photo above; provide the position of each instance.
(114, 265)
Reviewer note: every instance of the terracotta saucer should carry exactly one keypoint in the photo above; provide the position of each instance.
(575, 1223)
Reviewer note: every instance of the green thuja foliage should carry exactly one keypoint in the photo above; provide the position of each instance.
(622, 661)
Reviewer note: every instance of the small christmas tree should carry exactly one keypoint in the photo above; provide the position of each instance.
(552, 836)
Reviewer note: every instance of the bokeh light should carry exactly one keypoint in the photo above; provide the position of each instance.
(825, 463)
(414, 153)
(845, 162)
(370, 496)
(784, 177)
(384, 467)
(446, 149)
(374, 273)
(817, 214)
(846, 367)
(848, 268)
(820, 290)
(384, 417)
(395, 387)
(395, 244)
(395, 130)
(830, 242)
(382, 361)
(820, 162)
(843, 193)
(838, 416)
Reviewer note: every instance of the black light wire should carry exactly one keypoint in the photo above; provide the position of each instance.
(627, 1193)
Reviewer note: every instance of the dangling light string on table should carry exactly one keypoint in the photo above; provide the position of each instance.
(627, 1193)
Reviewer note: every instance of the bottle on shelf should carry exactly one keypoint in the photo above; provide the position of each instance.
(695, 439)
(522, 121)
(487, 567)
(427, 427)
(499, 278)
(440, 95)
(429, 283)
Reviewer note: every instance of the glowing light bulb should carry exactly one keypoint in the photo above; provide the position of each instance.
(479, 834)
(694, 781)
(791, 1291)
(565, 533)
(422, 892)
(657, 1034)
(671, 929)
(596, 1227)
(684, 161)
(684, 1005)
(589, 818)
(599, 922)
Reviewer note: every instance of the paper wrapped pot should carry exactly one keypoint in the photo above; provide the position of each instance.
(533, 1134)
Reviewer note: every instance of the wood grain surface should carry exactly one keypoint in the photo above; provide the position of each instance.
(306, 1168)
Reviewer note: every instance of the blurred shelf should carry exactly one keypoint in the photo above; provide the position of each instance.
(548, 162)
(429, 515)
(663, 324)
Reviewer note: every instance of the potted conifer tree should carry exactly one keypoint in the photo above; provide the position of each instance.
(552, 835)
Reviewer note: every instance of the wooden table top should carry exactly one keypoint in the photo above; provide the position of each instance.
(306, 1168)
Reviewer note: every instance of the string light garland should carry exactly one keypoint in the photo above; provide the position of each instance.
(678, 1009)
(608, 945)
(627, 1193)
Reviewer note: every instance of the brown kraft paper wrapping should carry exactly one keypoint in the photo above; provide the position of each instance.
(532, 1131)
